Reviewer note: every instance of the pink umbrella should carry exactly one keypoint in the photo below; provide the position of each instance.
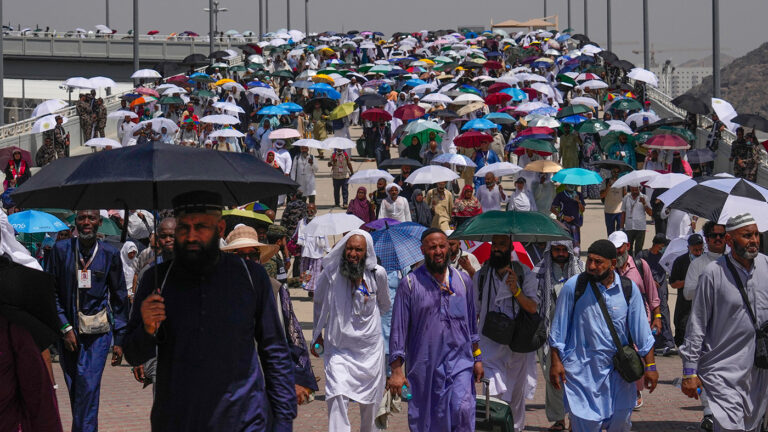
(667, 142)
(178, 79)
(147, 92)
(284, 134)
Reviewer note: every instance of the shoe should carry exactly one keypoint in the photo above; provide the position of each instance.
(311, 294)
(343, 206)
(557, 426)
(639, 402)
(707, 423)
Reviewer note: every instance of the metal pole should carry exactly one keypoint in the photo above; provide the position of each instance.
(716, 48)
(136, 65)
(646, 45)
(211, 30)
(608, 24)
(569, 14)
(288, 12)
(306, 17)
(266, 15)
(2, 72)
(545, 9)
(107, 10)
(23, 101)
(586, 19)
(261, 18)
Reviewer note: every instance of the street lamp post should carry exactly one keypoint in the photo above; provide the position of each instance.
(211, 30)
(569, 14)
(266, 15)
(586, 19)
(288, 14)
(716, 48)
(306, 17)
(136, 35)
(106, 23)
(608, 23)
(545, 9)
(261, 18)
(646, 52)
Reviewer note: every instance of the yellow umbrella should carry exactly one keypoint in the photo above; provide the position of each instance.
(326, 50)
(543, 166)
(466, 109)
(342, 111)
(223, 81)
(323, 78)
(248, 214)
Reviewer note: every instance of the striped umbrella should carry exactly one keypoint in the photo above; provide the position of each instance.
(398, 246)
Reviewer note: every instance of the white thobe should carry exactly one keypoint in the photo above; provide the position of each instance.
(303, 173)
(489, 199)
(678, 224)
(447, 145)
(521, 201)
(399, 209)
(283, 159)
(314, 247)
(695, 269)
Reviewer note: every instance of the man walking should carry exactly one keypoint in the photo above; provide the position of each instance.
(352, 293)
(303, 172)
(490, 194)
(634, 207)
(729, 318)
(341, 170)
(612, 202)
(677, 278)
(664, 340)
(90, 287)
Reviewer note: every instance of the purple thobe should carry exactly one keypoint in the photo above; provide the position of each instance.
(433, 331)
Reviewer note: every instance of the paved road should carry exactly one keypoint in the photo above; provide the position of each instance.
(125, 406)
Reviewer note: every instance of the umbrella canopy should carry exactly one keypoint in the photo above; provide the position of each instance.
(284, 133)
(33, 221)
(332, 224)
(376, 115)
(48, 107)
(571, 110)
(342, 111)
(754, 121)
(453, 159)
(146, 74)
(102, 143)
(272, 110)
(371, 99)
(45, 123)
(409, 112)
(6, 153)
(521, 226)
(309, 142)
(577, 176)
(643, 75)
(634, 178)
(472, 139)
(610, 164)
(248, 214)
(398, 246)
(692, 104)
(667, 142)
(396, 163)
(338, 143)
(543, 166)
(370, 176)
(221, 119)
(666, 181)
(382, 223)
(499, 169)
(592, 126)
(538, 145)
(431, 174)
(150, 176)
(718, 199)
(479, 124)
(626, 105)
(700, 156)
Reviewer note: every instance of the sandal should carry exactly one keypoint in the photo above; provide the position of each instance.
(558, 426)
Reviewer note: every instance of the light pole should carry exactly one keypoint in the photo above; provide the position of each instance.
(608, 23)
(288, 14)
(107, 10)
(261, 18)
(266, 15)
(135, 35)
(213, 10)
(569, 15)
(716, 48)
(211, 31)
(646, 52)
(586, 19)
(545, 9)
(306, 17)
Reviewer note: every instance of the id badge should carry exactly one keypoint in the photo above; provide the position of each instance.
(84, 279)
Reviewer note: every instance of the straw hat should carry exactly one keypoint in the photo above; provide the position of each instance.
(244, 236)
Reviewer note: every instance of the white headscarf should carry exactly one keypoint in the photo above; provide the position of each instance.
(128, 270)
(334, 257)
(15, 250)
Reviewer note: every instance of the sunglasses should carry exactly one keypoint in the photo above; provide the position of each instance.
(716, 235)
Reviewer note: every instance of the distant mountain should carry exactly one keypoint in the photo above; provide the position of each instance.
(742, 82)
(725, 60)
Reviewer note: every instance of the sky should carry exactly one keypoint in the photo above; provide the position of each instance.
(679, 29)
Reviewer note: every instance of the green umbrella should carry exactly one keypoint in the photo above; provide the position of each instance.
(255, 66)
(62, 214)
(522, 226)
(592, 126)
(442, 59)
(423, 137)
(612, 137)
(169, 100)
(365, 67)
(626, 105)
(108, 226)
(327, 71)
(203, 93)
(381, 69)
(682, 132)
(573, 110)
(237, 68)
(566, 79)
(283, 74)
(537, 145)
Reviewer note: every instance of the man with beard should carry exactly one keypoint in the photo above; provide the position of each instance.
(461, 259)
(222, 359)
(719, 354)
(434, 330)
(352, 293)
(559, 264)
(90, 287)
(505, 286)
(582, 348)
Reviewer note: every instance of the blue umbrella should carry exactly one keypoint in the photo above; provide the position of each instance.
(303, 84)
(415, 82)
(398, 246)
(479, 124)
(517, 94)
(549, 111)
(396, 72)
(323, 89)
(272, 110)
(291, 107)
(577, 176)
(257, 84)
(541, 65)
(33, 221)
(574, 119)
(471, 89)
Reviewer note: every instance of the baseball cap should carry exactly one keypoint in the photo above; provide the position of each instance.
(618, 238)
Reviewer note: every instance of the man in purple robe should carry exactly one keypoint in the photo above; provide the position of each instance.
(434, 331)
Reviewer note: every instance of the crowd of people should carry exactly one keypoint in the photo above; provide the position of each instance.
(184, 303)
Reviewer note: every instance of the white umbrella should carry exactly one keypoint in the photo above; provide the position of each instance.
(230, 86)
(453, 159)
(45, 123)
(277, 42)
(338, 82)
(102, 143)
(638, 118)
(646, 76)
(309, 142)
(370, 176)
(725, 112)
(674, 249)
(543, 88)
(296, 35)
(78, 82)
(265, 92)
(284, 133)
(591, 49)
(531, 106)
(634, 178)
(333, 224)
(338, 143)
(222, 119)
(146, 74)
(437, 98)
(499, 169)
(666, 181)
(121, 114)
(583, 100)
(104, 29)
(98, 82)
(467, 98)
(158, 124)
(166, 86)
(542, 121)
(431, 174)
(255, 58)
(228, 133)
(169, 91)
(618, 126)
(592, 85)
(227, 106)
(48, 107)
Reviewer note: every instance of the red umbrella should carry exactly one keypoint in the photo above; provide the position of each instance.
(535, 130)
(409, 112)
(532, 93)
(178, 79)
(472, 139)
(492, 64)
(497, 98)
(376, 115)
(497, 87)
(147, 91)
(152, 32)
(667, 142)
(520, 150)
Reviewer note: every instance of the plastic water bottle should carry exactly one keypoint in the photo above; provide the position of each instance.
(405, 393)
(678, 382)
(318, 348)
(303, 279)
(654, 331)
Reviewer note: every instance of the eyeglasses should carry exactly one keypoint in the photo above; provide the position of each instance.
(716, 235)
(253, 256)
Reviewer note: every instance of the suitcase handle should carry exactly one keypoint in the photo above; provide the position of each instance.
(487, 386)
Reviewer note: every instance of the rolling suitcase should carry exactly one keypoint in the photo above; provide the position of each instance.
(491, 414)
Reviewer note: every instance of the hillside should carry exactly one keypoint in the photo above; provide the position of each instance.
(742, 82)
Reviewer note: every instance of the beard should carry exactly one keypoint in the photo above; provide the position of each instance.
(197, 259)
(499, 260)
(600, 277)
(352, 271)
(435, 267)
(743, 252)
(561, 259)
(622, 259)
(89, 236)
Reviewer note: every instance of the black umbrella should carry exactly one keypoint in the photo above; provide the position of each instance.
(669, 121)
(754, 121)
(371, 99)
(446, 113)
(624, 64)
(399, 162)
(580, 37)
(608, 56)
(195, 59)
(218, 54)
(692, 104)
(150, 176)
(610, 164)
(325, 103)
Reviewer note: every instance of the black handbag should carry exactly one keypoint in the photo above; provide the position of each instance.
(530, 332)
(626, 361)
(761, 333)
(498, 326)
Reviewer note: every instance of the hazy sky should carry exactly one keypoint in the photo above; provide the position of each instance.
(679, 29)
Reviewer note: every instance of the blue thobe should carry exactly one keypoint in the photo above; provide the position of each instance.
(83, 368)
(483, 158)
(593, 389)
(222, 327)
(433, 332)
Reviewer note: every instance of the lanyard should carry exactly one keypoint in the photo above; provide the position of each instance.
(363, 288)
(80, 256)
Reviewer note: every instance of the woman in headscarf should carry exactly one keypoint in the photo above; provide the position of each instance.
(421, 213)
(271, 161)
(466, 206)
(127, 255)
(361, 207)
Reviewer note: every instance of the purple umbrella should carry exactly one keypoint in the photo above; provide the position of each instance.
(381, 223)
